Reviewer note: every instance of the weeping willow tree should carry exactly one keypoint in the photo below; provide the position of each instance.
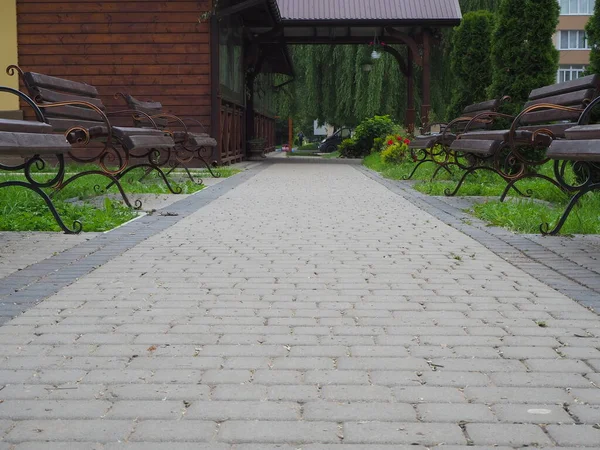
(331, 85)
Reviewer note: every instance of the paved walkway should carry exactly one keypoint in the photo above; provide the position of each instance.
(307, 307)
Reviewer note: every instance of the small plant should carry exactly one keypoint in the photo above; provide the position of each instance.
(396, 150)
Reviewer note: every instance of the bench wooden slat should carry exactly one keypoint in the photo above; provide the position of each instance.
(587, 82)
(49, 96)
(24, 126)
(480, 147)
(73, 112)
(488, 105)
(135, 142)
(569, 150)
(576, 98)
(28, 144)
(583, 132)
(550, 115)
(33, 80)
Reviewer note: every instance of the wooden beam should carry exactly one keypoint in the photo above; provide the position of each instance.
(239, 7)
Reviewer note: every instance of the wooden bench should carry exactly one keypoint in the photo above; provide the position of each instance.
(549, 111)
(435, 147)
(189, 145)
(33, 141)
(581, 149)
(75, 109)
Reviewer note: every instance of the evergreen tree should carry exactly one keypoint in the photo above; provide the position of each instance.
(470, 61)
(523, 54)
(592, 31)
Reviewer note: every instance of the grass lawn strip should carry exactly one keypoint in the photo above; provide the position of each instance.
(520, 214)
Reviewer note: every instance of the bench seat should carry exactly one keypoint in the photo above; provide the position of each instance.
(32, 143)
(428, 141)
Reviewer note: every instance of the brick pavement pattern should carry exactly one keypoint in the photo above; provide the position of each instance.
(308, 308)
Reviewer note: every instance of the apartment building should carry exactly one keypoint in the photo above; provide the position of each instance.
(570, 38)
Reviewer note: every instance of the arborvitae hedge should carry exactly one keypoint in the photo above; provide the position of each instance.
(523, 53)
(470, 61)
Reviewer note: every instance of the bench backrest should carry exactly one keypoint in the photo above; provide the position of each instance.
(575, 93)
(480, 108)
(150, 108)
(47, 89)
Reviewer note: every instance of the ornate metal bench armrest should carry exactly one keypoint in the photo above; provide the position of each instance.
(584, 119)
(73, 131)
(197, 122)
(540, 106)
(170, 119)
(134, 113)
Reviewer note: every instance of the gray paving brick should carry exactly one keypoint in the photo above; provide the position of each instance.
(326, 377)
(540, 379)
(591, 396)
(507, 434)
(589, 414)
(575, 435)
(351, 393)
(221, 411)
(53, 409)
(159, 392)
(454, 412)
(347, 412)
(264, 431)
(146, 409)
(528, 395)
(174, 431)
(301, 393)
(402, 433)
(531, 413)
(429, 394)
(72, 430)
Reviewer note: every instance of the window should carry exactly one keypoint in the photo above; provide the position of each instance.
(567, 73)
(576, 7)
(572, 40)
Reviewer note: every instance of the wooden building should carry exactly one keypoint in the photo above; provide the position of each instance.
(203, 58)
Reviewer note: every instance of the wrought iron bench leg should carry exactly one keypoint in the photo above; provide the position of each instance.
(77, 227)
(114, 181)
(545, 227)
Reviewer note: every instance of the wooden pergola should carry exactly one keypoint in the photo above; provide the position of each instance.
(273, 24)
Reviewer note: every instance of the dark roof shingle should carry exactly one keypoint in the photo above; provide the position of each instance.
(400, 10)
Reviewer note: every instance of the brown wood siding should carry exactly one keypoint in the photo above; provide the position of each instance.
(152, 49)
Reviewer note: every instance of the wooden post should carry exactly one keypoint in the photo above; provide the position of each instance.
(426, 106)
(290, 132)
(215, 100)
(410, 93)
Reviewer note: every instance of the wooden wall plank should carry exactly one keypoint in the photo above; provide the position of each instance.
(153, 49)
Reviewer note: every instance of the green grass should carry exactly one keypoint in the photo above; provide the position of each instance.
(331, 155)
(519, 214)
(309, 146)
(24, 210)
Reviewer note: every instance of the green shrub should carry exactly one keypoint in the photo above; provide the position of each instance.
(470, 61)
(378, 144)
(395, 153)
(524, 56)
(371, 129)
(349, 149)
